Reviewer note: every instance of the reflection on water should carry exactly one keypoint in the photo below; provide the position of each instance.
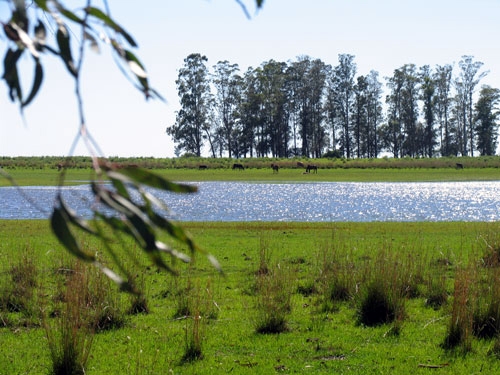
(332, 201)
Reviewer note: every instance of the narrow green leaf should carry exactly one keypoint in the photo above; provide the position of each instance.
(122, 284)
(215, 263)
(42, 4)
(73, 217)
(114, 223)
(59, 224)
(176, 254)
(26, 40)
(119, 183)
(144, 232)
(157, 94)
(151, 179)
(37, 83)
(11, 75)
(135, 65)
(99, 14)
(40, 33)
(63, 42)
(19, 16)
(115, 201)
(174, 230)
(94, 46)
(11, 32)
(70, 15)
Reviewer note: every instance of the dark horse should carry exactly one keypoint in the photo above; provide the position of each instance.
(275, 167)
(311, 167)
(238, 166)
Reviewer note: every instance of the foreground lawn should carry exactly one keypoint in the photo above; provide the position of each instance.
(266, 265)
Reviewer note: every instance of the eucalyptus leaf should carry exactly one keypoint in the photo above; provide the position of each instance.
(74, 218)
(37, 83)
(59, 223)
(151, 179)
(135, 65)
(176, 254)
(122, 284)
(70, 15)
(42, 4)
(63, 41)
(99, 14)
(25, 39)
(11, 75)
(40, 35)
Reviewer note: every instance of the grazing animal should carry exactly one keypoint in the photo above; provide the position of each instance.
(300, 164)
(311, 167)
(460, 166)
(275, 167)
(238, 166)
(203, 166)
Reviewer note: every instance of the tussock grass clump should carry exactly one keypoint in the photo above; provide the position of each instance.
(381, 299)
(193, 350)
(273, 301)
(486, 319)
(376, 305)
(436, 294)
(459, 331)
(274, 289)
(197, 307)
(17, 294)
(139, 305)
(336, 281)
(71, 336)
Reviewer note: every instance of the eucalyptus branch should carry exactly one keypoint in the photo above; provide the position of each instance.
(141, 221)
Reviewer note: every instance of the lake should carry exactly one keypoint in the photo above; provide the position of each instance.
(320, 202)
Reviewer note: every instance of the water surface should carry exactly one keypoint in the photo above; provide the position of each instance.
(320, 202)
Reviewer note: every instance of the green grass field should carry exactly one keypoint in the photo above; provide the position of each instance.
(266, 265)
(294, 298)
(44, 170)
(29, 177)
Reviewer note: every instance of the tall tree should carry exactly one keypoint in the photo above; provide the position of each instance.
(227, 84)
(315, 80)
(361, 117)
(467, 81)
(250, 113)
(342, 90)
(293, 87)
(442, 78)
(393, 131)
(297, 74)
(409, 111)
(486, 120)
(373, 113)
(192, 125)
(273, 85)
(428, 97)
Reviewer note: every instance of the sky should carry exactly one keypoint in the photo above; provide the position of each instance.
(383, 35)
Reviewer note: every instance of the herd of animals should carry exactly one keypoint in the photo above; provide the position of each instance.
(310, 168)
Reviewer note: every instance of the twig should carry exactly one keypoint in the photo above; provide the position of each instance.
(433, 366)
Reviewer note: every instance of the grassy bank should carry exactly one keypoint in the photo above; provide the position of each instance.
(292, 301)
(50, 176)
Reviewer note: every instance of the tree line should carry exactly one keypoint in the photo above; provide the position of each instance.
(312, 109)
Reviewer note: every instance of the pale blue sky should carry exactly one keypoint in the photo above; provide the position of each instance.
(382, 34)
